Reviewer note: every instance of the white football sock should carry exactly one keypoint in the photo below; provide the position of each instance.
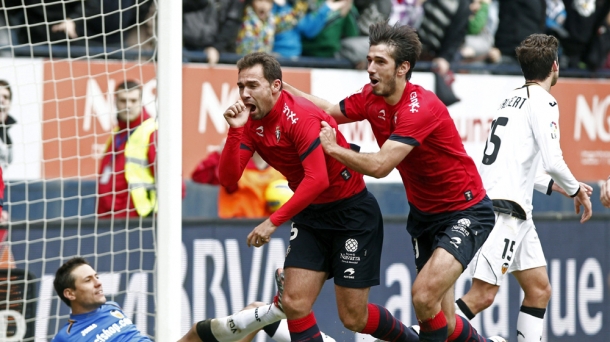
(281, 333)
(529, 328)
(257, 318)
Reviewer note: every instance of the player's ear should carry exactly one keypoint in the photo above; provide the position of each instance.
(69, 294)
(276, 86)
(403, 69)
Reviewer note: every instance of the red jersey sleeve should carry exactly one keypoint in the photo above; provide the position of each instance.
(413, 126)
(354, 106)
(207, 170)
(305, 136)
(235, 156)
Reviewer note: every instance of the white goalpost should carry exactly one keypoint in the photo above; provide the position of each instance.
(54, 136)
(169, 71)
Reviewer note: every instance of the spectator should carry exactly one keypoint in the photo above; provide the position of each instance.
(6, 122)
(211, 26)
(288, 43)
(482, 25)
(108, 23)
(442, 31)
(246, 198)
(260, 24)
(340, 24)
(588, 33)
(517, 20)
(50, 21)
(127, 171)
(355, 49)
(407, 12)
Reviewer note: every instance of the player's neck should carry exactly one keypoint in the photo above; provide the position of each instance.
(393, 99)
(545, 84)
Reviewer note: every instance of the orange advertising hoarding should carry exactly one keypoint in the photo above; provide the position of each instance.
(584, 122)
(79, 112)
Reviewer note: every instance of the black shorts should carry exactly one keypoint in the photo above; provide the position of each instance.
(461, 233)
(343, 238)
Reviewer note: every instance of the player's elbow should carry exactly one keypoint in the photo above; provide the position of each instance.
(380, 171)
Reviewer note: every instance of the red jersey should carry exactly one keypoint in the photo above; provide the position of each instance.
(288, 139)
(113, 189)
(438, 174)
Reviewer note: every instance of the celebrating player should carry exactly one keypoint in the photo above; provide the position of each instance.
(337, 228)
(450, 215)
(524, 133)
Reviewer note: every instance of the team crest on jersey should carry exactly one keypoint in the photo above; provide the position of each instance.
(117, 314)
(554, 130)
(278, 133)
(504, 267)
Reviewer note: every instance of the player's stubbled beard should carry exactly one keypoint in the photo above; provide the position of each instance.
(390, 84)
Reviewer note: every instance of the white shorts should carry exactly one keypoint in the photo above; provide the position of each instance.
(513, 245)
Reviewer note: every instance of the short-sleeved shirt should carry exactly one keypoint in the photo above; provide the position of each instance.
(107, 323)
(438, 174)
(287, 136)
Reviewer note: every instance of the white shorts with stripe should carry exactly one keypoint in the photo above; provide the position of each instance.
(513, 245)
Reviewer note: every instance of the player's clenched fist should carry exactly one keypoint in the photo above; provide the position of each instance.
(236, 115)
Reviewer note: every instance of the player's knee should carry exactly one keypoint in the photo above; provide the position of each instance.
(486, 299)
(354, 321)
(538, 295)
(423, 299)
(295, 306)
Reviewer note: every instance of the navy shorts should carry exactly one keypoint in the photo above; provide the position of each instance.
(343, 238)
(461, 233)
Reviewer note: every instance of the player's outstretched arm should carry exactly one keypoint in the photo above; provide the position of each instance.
(584, 186)
(376, 165)
(331, 109)
(604, 197)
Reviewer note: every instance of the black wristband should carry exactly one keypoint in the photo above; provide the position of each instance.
(577, 191)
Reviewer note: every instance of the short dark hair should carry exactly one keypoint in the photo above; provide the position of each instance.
(403, 40)
(536, 55)
(64, 279)
(128, 85)
(5, 84)
(272, 69)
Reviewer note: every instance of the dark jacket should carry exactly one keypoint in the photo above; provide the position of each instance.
(444, 26)
(108, 20)
(41, 15)
(519, 19)
(211, 23)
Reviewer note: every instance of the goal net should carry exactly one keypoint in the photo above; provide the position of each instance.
(62, 61)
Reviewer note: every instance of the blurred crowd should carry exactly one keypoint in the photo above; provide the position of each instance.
(465, 31)
(468, 31)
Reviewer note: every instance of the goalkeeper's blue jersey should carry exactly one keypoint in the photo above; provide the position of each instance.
(106, 324)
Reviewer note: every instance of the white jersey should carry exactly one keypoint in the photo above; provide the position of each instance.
(524, 133)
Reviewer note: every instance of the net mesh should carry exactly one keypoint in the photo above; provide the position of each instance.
(63, 60)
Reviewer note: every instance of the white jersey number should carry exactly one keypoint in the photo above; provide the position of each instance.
(489, 159)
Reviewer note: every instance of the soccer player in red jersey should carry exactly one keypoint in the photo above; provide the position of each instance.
(337, 228)
(450, 214)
